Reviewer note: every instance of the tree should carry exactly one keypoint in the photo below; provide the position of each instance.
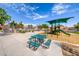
(0, 27)
(21, 25)
(76, 26)
(13, 25)
(45, 26)
(39, 27)
(4, 17)
(30, 27)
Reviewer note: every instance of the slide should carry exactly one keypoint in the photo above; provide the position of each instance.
(65, 32)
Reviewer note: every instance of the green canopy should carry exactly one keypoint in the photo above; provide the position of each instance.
(61, 20)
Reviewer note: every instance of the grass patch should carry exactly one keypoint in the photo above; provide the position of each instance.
(76, 32)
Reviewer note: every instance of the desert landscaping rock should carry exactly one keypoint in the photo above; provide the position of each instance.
(70, 50)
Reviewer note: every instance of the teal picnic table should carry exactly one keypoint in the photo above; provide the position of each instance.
(39, 37)
(35, 44)
(47, 43)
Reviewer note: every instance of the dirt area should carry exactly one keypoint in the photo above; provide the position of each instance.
(69, 44)
(73, 38)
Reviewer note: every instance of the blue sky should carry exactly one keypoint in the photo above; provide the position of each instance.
(39, 13)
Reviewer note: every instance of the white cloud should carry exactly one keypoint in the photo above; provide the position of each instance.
(36, 16)
(60, 8)
(23, 7)
(28, 11)
(33, 8)
(25, 10)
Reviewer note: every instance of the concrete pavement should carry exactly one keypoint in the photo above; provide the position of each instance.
(15, 45)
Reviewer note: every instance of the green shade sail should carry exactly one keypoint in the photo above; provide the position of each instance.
(61, 20)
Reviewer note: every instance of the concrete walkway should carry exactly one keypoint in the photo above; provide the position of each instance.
(15, 45)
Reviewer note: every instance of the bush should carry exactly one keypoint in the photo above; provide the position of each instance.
(22, 31)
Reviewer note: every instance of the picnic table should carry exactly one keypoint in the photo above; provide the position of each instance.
(39, 37)
(47, 44)
(34, 43)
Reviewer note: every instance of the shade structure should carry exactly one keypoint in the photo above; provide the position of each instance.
(61, 20)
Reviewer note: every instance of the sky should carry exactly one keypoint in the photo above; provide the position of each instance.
(40, 13)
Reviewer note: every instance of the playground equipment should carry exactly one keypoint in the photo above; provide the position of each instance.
(55, 25)
(58, 31)
(65, 32)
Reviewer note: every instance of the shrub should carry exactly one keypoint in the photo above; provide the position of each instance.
(22, 31)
